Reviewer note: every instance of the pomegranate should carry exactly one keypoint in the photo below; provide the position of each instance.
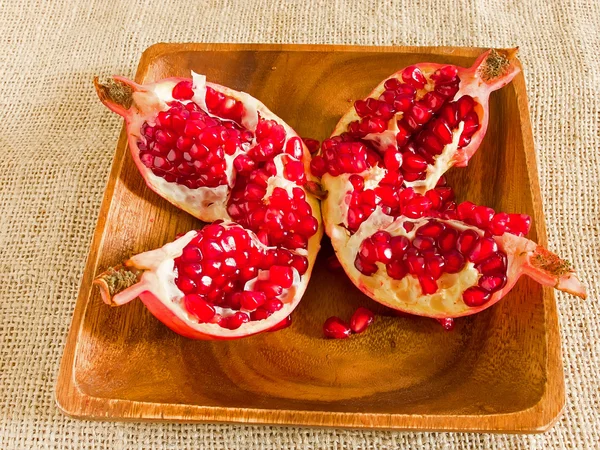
(411, 129)
(443, 268)
(220, 155)
(394, 223)
(220, 282)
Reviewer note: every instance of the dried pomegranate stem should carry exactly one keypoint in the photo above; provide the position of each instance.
(115, 280)
(114, 91)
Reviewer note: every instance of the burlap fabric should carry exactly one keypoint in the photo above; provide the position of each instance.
(57, 142)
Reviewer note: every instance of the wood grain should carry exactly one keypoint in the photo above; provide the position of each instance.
(498, 371)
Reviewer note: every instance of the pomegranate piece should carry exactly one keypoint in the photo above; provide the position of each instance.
(361, 319)
(428, 121)
(192, 140)
(336, 328)
(445, 268)
(201, 287)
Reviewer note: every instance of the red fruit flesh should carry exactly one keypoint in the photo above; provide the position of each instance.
(361, 319)
(336, 328)
(220, 155)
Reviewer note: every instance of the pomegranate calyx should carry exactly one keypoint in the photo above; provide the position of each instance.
(115, 280)
(497, 63)
(114, 91)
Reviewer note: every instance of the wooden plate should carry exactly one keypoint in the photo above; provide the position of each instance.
(498, 371)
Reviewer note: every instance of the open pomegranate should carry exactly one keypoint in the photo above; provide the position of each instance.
(220, 155)
(391, 218)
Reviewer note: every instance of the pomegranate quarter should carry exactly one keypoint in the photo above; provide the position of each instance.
(392, 219)
(223, 157)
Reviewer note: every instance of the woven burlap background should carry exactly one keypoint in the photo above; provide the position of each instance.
(57, 142)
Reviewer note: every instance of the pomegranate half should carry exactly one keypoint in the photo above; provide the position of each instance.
(391, 217)
(220, 155)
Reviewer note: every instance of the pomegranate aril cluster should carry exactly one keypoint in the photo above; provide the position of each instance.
(281, 220)
(492, 222)
(187, 146)
(436, 248)
(395, 200)
(428, 117)
(215, 267)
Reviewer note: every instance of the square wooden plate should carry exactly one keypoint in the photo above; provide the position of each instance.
(500, 370)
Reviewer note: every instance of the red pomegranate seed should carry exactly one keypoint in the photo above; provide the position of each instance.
(466, 241)
(183, 90)
(421, 113)
(281, 275)
(475, 296)
(433, 100)
(483, 249)
(447, 323)
(312, 145)
(273, 305)
(294, 171)
(364, 267)
(318, 166)
(300, 263)
(336, 328)
(396, 269)
(368, 251)
(294, 148)
(196, 305)
(442, 131)
(381, 237)
(361, 319)
(423, 243)
(435, 197)
(499, 224)
(464, 105)
(415, 263)
(482, 216)
(494, 264)
(250, 300)
(259, 314)
(428, 285)
(414, 163)
(519, 224)
(392, 84)
(357, 182)
(448, 90)
(413, 76)
(435, 265)
(431, 229)
(399, 245)
(471, 124)
(234, 321)
(454, 261)
(392, 159)
(447, 239)
(465, 210)
(186, 285)
(417, 207)
(492, 283)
